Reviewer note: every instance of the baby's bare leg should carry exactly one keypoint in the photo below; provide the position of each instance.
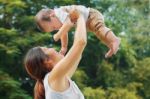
(113, 43)
(109, 39)
(96, 24)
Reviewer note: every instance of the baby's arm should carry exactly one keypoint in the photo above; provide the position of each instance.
(63, 30)
(72, 18)
(64, 43)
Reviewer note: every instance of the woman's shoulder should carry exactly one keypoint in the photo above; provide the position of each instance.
(49, 85)
(48, 81)
(45, 80)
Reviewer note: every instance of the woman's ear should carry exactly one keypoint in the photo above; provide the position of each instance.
(48, 63)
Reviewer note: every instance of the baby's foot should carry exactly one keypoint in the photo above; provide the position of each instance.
(113, 48)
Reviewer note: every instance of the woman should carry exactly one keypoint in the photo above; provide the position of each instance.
(53, 71)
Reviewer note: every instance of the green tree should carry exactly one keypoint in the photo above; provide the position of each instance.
(91, 93)
(10, 89)
(124, 76)
(141, 74)
(81, 78)
(121, 93)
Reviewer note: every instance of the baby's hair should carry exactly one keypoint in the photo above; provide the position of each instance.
(46, 13)
(42, 15)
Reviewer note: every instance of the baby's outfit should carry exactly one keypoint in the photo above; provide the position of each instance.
(94, 19)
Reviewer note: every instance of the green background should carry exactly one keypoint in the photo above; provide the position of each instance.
(124, 76)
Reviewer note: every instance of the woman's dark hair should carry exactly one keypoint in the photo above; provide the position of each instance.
(42, 15)
(34, 64)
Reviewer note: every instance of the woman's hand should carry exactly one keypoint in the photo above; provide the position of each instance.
(74, 15)
(71, 60)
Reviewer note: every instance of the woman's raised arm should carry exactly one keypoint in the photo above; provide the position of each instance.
(74, 54)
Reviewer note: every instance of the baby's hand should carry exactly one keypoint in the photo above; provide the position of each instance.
(63, 50)
(64, 29)
(56, 36)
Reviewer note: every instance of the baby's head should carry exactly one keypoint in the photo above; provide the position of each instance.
(47, 21)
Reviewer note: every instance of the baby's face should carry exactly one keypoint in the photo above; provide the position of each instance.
(52, 25)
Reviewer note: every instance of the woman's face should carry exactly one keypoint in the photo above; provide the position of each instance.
(54, 56)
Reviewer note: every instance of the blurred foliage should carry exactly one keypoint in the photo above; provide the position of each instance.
(91, 93)
(81, 78)
(124, 76)
(10, 89)
(122, 93)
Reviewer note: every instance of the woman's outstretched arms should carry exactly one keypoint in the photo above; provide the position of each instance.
(74, 55)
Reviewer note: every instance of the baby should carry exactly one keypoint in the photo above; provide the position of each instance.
(49, 20)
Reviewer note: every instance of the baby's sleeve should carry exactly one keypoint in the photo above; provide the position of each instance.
(61, 14)
(66, 8)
